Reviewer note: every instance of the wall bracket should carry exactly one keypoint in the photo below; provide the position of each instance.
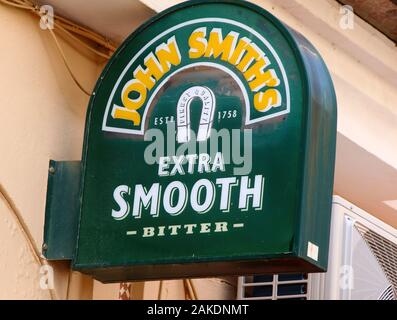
(62, 210)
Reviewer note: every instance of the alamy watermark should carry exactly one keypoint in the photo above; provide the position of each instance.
(236, 146)
(346, 277)
(46, 277)
(46, 17)
(346, 21)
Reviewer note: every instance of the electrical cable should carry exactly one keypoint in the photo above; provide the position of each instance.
(71, 30)
(68, 28)
(25, 231)
(160, 290)
(190, 289)
(193, 288)
(67, 64)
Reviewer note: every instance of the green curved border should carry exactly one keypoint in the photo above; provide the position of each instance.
(285, 31)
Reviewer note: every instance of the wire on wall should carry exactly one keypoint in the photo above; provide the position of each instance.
(94, 42)
(188, 288)
(190, 291)
(101, 47)
(25, 231)
(90, 40)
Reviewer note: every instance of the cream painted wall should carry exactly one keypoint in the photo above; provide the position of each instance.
(42, 115)
(363, 67)
(209, 289)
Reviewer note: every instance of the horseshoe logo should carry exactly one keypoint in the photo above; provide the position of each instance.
(207, 97)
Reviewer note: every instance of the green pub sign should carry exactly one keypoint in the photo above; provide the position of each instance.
(209, 150)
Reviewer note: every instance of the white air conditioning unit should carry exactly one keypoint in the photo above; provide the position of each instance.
(362, 264)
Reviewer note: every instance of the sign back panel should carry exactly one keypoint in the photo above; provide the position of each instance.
(209, 149)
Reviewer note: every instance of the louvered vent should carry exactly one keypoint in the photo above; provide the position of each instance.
(388, 294)
(274, 287)
(385, 253)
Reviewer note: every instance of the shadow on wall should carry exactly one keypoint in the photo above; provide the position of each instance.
(365, 180)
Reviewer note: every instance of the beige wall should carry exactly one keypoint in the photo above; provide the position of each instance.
(211, 289)
(42, 115)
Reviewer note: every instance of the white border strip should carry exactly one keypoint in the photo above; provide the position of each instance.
(178, 26)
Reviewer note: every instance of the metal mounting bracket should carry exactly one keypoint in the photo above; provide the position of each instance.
(62, 210)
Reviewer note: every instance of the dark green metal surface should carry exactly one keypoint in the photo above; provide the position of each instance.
(294, 150)
(62, 210)
(320, 146)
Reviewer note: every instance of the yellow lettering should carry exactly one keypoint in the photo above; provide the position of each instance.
(168, 55)
(264, 101)
(128, 112)
(197, 43)
(257, 69)
(145, 79)
(153, 69)
(156, 66)
(239, 51)
(268, 78)
(217, 46)
(252, 53)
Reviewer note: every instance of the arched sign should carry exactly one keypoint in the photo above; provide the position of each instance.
(209, 150)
